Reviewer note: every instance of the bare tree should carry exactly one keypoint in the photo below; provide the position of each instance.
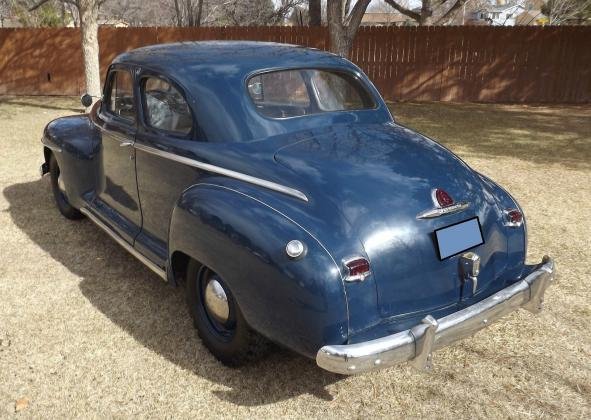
(188, 12)
(343, 25)
(432, 12)
(50, 14)
(283, 9)
(131, 12)
(88, 12)
(563, 12)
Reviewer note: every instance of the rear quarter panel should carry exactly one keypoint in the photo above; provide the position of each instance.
(301, 303)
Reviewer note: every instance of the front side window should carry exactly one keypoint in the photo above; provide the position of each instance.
(121, 101)
(294, 93)
(166, 109)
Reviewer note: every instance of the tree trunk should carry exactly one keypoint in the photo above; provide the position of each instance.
(339, 42)
(426, 13)
(315, 12)
(199, 13)
(90, 47)
(179, 17)
(342, 28)
(190, 16)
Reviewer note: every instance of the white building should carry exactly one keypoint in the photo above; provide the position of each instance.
(498, 13)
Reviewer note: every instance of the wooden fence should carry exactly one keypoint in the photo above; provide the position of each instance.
(478, 64)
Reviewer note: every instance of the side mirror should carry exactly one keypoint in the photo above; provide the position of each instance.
(86, 100)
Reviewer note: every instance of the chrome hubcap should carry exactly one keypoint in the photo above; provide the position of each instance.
(216, 301)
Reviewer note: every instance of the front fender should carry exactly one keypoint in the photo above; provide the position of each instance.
(75, 143)
(300, 303)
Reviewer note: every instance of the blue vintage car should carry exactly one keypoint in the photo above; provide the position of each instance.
(272, 182)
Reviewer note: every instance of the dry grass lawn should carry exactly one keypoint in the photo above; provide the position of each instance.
(86, 330)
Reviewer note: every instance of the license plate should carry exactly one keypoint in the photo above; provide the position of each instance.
(457, 238)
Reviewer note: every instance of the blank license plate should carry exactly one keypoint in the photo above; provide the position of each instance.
(456, 238)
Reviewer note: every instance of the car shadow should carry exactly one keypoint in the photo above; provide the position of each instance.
(152, 312)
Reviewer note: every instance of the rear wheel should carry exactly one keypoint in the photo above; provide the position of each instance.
(218, 319)
(59, 192)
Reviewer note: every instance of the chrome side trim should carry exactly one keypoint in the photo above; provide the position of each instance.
(440, 211)
(222, 171)
(156, 269)
(417, 343)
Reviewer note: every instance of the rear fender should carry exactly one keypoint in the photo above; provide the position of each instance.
(516, 236)
(299, 303)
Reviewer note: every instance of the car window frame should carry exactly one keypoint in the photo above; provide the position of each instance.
(147, 74)
(338, 70)
(108, 89)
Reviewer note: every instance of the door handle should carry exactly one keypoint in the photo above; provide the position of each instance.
(126, 143)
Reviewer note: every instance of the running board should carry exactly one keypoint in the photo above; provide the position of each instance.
(156, 269)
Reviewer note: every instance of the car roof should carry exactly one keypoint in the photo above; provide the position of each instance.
(212, 75)
(245, 56)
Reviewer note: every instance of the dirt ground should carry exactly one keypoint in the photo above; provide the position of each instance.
(86, 330)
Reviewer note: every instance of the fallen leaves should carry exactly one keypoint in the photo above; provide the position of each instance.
(21, 404)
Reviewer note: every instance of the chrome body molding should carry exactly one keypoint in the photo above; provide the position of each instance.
(417, 343)
(440, 211)
(223, 171)
(156, 269)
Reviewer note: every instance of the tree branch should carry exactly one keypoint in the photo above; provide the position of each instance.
(38, 5)
(407, 12)
(353, 21)
(456, 6)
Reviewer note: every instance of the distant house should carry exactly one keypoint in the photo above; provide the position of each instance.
(501, 13)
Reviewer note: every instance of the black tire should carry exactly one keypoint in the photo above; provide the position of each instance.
(61, 200)
(233, 343)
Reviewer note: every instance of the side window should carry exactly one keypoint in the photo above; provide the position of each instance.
(166, 109)
(121, 101)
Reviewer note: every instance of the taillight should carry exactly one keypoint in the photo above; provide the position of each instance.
(513, 217)
(443, 198)
(358, 269)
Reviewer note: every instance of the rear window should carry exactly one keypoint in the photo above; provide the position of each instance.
(294, 93)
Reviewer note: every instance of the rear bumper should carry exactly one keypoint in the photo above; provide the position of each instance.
(417, 343)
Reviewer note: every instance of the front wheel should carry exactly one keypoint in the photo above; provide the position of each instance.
(218, 319)
(59, 192)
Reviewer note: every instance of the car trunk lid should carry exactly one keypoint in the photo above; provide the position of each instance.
(380, 177)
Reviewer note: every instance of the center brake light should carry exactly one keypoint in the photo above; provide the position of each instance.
(357, 269)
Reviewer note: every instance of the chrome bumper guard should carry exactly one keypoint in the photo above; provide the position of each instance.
(417, 344)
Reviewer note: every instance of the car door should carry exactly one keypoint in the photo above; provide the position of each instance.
(116, 198)
(166, 124)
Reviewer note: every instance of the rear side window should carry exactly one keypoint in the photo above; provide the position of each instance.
(121, 101)
(166, 109)
(294, 93)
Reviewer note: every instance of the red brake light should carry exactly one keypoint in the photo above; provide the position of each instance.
(514, 217)
(443, 198)
(358, 269)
